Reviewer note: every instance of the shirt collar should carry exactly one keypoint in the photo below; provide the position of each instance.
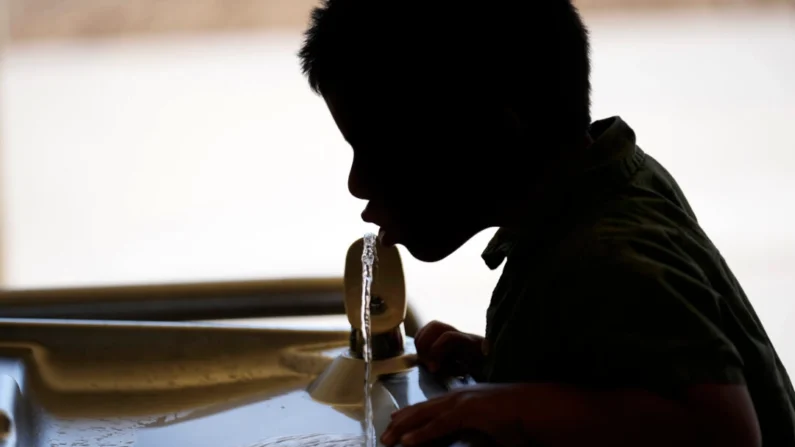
(613, 159)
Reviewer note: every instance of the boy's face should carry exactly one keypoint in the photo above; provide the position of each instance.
(424, 166)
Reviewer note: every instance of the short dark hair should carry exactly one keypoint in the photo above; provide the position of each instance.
(534, 53)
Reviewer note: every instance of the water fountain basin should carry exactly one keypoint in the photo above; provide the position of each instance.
(103, 383)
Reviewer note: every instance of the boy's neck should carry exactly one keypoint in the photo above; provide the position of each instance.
(516, 211)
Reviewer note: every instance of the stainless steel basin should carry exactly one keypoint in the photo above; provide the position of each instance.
(101, 383)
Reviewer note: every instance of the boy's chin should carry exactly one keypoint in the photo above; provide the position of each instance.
(424, 254)
(433, 250)
(429, 244)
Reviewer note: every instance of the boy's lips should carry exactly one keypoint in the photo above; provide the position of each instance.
(371, 214)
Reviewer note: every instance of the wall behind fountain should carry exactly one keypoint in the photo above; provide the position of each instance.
(183, 158)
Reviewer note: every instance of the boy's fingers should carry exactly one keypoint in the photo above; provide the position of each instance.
(451, 350)
(428, 335)
(419, 334)
(447, 343)
(422, 410)
(410, 418)
(439, 427)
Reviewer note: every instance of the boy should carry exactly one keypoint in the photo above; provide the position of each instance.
(616, 322)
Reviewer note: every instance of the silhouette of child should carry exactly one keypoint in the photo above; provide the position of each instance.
(616, 321)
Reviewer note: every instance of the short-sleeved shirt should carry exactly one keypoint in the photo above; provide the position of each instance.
(614, 283)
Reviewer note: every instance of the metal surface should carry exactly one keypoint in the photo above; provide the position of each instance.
(185, 302)
(81, 383)
(385, 345)
(168, 302)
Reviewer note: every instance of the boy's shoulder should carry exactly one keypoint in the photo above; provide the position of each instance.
(645, 221)
(633, 234)
(622, 196)
(648, 222)
(620, 278)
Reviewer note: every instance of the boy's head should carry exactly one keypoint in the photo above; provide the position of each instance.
(452, 107)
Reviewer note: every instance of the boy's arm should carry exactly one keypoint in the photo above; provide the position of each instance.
(561, 415)
(638, 325)
(702, 416)
(627, 352)
(646, 339)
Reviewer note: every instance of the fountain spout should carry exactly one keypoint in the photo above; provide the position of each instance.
(387, 306)
(341, 382)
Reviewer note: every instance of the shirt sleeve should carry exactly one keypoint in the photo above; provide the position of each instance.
(626, 320)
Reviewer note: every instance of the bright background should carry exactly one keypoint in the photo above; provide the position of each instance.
(194, 157)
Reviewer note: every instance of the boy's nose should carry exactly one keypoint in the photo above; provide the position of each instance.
(356, 187)
(363, 178)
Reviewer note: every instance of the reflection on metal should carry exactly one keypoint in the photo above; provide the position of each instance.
(151, 385)
(293, 297)
(340, 383)
(186, 302)
(385, 345)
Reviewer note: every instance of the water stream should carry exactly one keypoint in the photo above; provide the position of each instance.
(368, 265)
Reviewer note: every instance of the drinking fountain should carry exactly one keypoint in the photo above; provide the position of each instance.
(341, 383)
(397, 378)
(150, 384)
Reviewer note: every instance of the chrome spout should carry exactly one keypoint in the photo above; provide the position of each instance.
(388, 305)
(341, 382)
(385, 345)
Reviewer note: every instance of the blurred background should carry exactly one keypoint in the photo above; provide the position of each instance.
(152, 141)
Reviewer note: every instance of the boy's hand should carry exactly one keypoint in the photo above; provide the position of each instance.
(491, 409)
(563, 415)
(445, 350)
